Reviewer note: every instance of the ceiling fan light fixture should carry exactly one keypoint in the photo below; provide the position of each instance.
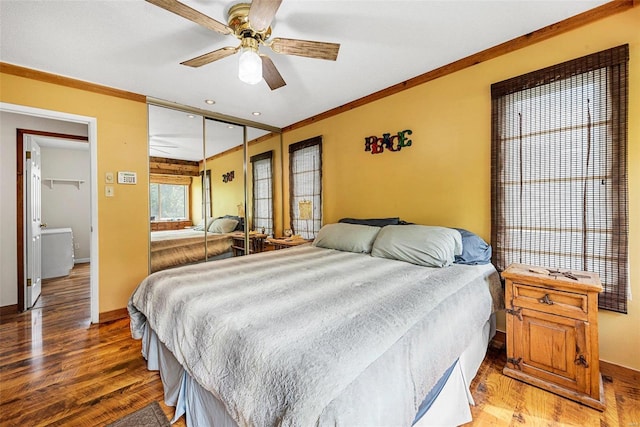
(249, 63)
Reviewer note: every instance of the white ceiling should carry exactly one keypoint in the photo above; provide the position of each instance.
(178, 135)
(136, 46)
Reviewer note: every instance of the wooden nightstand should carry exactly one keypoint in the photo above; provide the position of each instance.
(552, 331)
(256, 243)
(286, 242)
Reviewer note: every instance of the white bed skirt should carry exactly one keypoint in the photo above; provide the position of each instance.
(202, 409)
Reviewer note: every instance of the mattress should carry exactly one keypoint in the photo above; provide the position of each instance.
(316, 336)
(173, 248)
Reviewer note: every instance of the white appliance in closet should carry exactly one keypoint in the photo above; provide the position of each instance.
(57, 252)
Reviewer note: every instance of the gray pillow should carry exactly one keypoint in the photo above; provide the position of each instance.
(223, 225)
(424, 245)
(200, 226)
(347, 237)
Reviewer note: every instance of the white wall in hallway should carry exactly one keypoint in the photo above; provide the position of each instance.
(68, 204)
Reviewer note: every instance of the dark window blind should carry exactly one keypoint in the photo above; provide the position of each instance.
(559, 170)
(305, 187)
(205, 179)
(262, 177)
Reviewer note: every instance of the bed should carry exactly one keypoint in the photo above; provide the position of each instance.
(172, 248)
(318, 335)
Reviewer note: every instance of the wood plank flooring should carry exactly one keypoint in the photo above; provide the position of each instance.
(57, 369)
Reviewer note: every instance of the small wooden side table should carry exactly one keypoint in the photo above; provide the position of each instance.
(286, 242)
(256, 243)
(552, 331)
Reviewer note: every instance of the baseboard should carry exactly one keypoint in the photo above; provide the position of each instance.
(81, 260)
(110, 316)
(608, 368)
(7, 310)
(499, 340)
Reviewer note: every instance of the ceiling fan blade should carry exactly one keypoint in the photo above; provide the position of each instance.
(262, 12)
(192, 15)
(270, 73)
(208, 58)
(309, 49)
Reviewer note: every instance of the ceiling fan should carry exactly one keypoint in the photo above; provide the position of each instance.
(251, 24)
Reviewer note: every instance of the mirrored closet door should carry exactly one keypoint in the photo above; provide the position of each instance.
(202, 209)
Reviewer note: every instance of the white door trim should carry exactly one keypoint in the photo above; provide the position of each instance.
(92, 124)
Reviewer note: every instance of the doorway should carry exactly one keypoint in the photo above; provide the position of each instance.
(91, 124)
(55, 227)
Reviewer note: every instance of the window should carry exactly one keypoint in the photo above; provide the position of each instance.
(205, 180)
(169, 201)
(559, 179)
(305, 187)
(261, 166)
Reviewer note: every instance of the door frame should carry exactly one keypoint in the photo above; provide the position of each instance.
(92, 131)
(20, 204)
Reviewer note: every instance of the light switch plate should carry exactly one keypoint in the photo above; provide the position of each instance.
(108, 177)
(108, 190)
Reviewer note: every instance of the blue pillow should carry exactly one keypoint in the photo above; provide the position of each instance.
(475, 251)
(373, 222)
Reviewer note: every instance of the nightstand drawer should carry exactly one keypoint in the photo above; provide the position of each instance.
(552, 301)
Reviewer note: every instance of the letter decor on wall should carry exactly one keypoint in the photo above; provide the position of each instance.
(376, 145)
(227, 177)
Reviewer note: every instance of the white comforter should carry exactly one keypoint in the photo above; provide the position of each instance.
(278, 336)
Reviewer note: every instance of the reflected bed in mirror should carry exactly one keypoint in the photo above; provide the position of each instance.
(196, 177)
(173, 248)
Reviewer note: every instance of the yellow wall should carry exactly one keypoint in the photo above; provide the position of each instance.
(123, 220)
(443, 178)
(226, 196)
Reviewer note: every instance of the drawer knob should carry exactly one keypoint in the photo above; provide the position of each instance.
(545, 300)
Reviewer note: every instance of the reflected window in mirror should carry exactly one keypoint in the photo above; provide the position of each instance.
(169, 202)
(305, 177)
(205, 179)
(262, 180)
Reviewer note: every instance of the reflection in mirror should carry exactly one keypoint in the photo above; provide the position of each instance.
(175, 152)
(224, 163)
(199, 208)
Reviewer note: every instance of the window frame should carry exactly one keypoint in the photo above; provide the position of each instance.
(316, 220)
(177, 182)
(614, 61)
(267, 155)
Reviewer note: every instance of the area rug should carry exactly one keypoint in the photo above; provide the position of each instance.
(149, 416)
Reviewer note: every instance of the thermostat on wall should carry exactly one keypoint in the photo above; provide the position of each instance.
(127, 178)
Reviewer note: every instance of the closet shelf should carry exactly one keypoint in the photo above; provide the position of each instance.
(51, 181)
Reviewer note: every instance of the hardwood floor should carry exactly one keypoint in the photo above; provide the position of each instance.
(58, 369)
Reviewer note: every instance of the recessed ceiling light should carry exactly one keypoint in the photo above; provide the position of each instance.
(229, 127)
(209, 101)
(256, 113)
(191, 116)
